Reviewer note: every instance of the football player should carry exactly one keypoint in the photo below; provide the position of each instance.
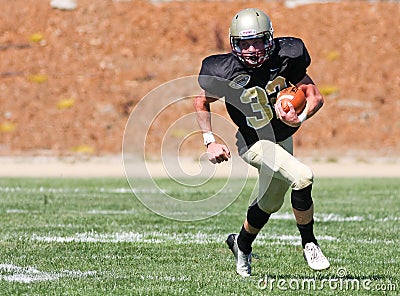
(250, 78)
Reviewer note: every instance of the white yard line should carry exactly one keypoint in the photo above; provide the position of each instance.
(29, 274)
(323, 217)
(319, 217)
(186, 238)
(181, 238)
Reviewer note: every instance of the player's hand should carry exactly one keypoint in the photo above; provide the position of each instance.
(290, 118)
(218, 153)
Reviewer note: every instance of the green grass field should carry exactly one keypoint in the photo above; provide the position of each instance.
(93, 237)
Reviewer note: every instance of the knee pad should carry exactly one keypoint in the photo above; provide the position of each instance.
(257, 217)
(301, 199)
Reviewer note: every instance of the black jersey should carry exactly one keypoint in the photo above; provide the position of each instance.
(251, 92)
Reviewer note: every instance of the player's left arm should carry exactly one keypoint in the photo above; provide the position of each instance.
(314, 98)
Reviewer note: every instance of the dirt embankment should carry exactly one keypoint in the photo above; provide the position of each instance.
(69, 79)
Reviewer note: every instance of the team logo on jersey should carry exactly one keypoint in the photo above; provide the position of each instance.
(240, 81)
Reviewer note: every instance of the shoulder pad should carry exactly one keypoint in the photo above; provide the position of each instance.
(291, 47)
(216, 65)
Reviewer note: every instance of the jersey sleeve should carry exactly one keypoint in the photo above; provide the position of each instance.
(209, 77)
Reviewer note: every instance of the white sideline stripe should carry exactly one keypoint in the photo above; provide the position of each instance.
(29, 274)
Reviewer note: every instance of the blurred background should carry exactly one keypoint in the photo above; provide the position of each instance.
(69, 79)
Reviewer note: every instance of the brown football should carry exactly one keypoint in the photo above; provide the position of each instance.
(293, 95)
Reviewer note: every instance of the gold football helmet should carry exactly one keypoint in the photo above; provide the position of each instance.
(251, 23)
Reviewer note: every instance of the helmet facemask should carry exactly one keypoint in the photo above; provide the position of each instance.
(259, 56)
(248, 24)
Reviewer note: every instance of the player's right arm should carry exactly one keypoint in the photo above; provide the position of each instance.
(216, 152)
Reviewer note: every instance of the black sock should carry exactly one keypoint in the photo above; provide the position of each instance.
(307, 233)
(245, 240)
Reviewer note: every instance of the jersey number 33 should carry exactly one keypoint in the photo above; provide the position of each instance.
(257, 97)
